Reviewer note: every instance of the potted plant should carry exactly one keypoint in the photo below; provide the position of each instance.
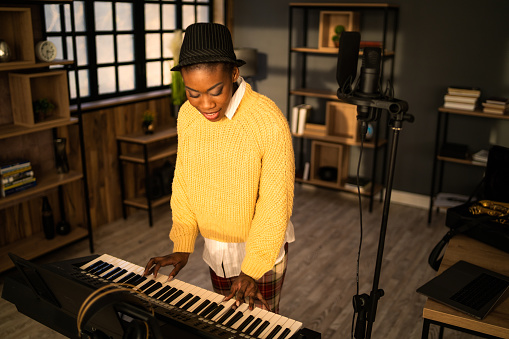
(42, 109)
(148, 122)
(338, 30)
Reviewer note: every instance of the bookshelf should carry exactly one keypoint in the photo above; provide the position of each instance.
(441, 137)
(24, 79)
(305, 21)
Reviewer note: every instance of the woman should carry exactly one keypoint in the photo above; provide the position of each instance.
(234, 175)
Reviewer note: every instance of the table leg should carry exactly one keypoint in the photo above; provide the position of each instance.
(425, 328)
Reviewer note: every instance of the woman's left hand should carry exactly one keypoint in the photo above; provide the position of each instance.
(245, 287)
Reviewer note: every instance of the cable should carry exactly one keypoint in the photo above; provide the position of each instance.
(363, 135)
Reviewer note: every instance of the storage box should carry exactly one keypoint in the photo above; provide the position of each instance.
(16, 31)
(329, 20)
(325, 157)
(26, 88)
(341, 121)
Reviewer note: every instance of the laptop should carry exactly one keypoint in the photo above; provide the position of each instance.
(467, 288)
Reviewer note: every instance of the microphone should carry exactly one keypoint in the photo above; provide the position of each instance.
(369, 80)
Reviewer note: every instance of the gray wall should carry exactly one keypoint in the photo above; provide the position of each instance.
(439, 43)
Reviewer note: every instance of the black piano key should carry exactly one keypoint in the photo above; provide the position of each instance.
(245, 323)
(103, 269)
(261, 328)
(285, 333)
(168, 294)
(133, 280)
(201, 307)
(98, 267)
(94, 265)
(161, 292)
(153, 288)
(275, 331)
(214, 312)
(174, 296)
(110, 273)
(147, 285)
(209, 309)
(225, 316)
(125, 278)
(117, 275)
(234, 319)
(184, 299)
(191, 302)
(253, 325)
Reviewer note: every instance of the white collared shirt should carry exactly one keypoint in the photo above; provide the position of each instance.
(225, 259)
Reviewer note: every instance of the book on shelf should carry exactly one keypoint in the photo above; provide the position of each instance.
(11, 177)
(18, 186)
(497, 101)
(364, 183)
(12, 166)
(464, 91)
(496, 105)
(480, 156)
(460, 105)
(305, 175)
(459, 98)
(300, 113)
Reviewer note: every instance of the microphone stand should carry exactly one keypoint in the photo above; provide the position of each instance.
(366, 305)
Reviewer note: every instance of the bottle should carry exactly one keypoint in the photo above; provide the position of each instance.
(48, 224)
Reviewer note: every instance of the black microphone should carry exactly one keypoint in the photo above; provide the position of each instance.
(369, 81)
(348, 56)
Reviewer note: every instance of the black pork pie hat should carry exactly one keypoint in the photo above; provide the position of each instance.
(207, 42)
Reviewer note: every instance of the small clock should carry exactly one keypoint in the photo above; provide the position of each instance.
(46, 51)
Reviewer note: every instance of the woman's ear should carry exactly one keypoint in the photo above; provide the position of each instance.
(235, 74)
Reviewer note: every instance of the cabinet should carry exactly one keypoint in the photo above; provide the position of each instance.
(145, 150)
(23, 80)
(441, 137)
(312, 62)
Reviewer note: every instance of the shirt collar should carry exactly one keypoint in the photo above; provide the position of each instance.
(236, 98)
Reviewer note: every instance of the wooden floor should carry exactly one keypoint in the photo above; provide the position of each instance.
(321, 277)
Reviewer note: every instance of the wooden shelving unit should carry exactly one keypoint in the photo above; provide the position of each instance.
(303, 90)
(27, 79)
(439, 161)
(148, 148)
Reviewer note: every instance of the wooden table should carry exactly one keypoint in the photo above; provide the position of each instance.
(496, 323)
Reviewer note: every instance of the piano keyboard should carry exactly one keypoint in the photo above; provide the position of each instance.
(197, 307)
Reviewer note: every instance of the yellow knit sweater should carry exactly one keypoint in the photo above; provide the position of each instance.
(234, 180)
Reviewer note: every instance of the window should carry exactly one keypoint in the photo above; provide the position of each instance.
(122, 47)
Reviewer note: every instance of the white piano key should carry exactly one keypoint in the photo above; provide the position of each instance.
(247, 313)
(281, 320)
(227, 305)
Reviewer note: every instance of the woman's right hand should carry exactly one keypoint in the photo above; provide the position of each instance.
(178, 260)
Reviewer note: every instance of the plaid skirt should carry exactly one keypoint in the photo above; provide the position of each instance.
(270, 284)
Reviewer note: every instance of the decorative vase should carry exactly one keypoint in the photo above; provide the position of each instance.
(5, 52)
(148, 127)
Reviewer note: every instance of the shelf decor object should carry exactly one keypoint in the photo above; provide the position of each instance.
(328, 22)
(16, 31)
(341, 121)
(27, 88)
(325, 156)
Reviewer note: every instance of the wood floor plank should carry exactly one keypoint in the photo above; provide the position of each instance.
(321, 276)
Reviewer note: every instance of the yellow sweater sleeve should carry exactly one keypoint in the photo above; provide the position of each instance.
(275, 195)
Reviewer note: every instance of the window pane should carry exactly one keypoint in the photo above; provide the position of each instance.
(106, 79)
(105, 52)
(187, 16)
(58, 44)
(79, 16)
(167, 65)
(67, 16)
(84, 85)
(169, 15)
(153, 46)
(103, 16)
(125, 48)
(124, 16)
(206, 1)
(153, 74)
(126, 77)
(167, 38)
(203, 14)
(152, 17)
(81, 49)
(52, 18)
